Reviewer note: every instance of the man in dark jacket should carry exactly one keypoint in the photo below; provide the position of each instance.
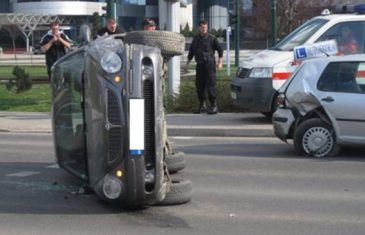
(110, 28)
(54, 43)
(203, 48)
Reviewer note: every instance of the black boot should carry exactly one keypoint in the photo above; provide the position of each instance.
(213, 109)
(201, 108)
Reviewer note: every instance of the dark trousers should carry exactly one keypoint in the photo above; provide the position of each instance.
(206, 81)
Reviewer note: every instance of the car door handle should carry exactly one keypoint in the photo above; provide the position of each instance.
(328, 99)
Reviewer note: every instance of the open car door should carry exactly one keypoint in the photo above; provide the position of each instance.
(68, 114)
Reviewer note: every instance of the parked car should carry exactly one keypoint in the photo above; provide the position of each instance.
(258, 78)
(109, 125)
(321, 107)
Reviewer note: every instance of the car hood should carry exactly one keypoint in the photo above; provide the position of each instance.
(267, 58)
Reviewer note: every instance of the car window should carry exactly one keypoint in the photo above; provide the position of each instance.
(349, 36)
(346, 77)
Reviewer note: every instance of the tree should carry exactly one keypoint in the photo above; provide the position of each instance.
(96, 22)
(13, 32)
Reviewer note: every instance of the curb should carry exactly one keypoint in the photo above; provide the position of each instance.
(219, 132)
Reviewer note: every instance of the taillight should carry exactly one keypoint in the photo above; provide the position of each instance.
(280, 100)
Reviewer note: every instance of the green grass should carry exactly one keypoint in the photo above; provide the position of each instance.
(34, 71)
(38, 99)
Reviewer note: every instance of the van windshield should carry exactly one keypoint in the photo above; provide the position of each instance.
(300, 35)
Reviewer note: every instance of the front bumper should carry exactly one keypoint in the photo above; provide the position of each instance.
(283, 120)
(253, 94)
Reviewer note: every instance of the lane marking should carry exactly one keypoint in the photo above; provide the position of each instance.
(181, 137)
(23, 174)
(53, 166)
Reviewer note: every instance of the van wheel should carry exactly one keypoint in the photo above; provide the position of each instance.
(315, 138)
(175, 161)
(180, 192)
(170, 43)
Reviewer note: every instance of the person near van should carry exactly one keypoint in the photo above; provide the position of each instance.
(203, 48)
(54, 43)
(149, 25)
(110, 28)
(347, 43)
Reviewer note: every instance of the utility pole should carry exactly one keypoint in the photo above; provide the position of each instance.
(273, 22)
(111, 11)
(238, 32)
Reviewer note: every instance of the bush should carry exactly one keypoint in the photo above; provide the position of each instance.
(21, 83)
(187, 101)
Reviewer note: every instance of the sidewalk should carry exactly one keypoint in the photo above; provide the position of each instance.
(220, 125)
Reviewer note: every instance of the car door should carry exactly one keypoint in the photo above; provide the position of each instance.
(68, 114)
(342, 95)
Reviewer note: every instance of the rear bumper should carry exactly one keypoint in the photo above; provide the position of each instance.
(283, 120)
(253, 94)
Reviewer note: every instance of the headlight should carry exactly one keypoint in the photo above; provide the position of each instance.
(111, 62)
(261, 73)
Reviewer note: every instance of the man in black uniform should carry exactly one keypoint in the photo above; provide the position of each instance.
(110, 28)
(54, 43)
(203, 47)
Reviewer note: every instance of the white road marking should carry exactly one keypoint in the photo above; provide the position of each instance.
(53, 166)
(182, 137)
(23, 174)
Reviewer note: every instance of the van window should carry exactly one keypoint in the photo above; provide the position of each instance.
(349, 36)
(300, 35)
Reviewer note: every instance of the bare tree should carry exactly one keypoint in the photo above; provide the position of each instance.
(13, 32)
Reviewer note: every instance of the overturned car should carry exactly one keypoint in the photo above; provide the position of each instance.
(109, 123)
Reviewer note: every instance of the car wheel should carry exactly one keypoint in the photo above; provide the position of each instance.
(180, 192)
(170, 43)
(175, 161)
(315, 138)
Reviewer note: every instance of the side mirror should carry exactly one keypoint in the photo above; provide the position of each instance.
(85, 34)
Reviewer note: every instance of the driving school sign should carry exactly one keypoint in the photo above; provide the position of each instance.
(319, 49)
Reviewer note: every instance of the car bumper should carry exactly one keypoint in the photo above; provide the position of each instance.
(253, 94)
(282, 120)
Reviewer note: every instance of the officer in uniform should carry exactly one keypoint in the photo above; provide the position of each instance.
(203, 48)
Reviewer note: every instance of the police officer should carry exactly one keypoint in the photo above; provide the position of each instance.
(203, 48)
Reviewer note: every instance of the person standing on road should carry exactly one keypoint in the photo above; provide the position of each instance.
(110, 28)
(54, 43)
(203, 48)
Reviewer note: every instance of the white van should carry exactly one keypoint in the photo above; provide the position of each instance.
(258, 78)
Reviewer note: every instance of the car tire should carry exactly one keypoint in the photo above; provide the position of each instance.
(170, 43)
(180, 192)
(175, 161)
(315, 138)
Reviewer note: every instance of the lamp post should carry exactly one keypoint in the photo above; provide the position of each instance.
(273, 22)
(238, 32)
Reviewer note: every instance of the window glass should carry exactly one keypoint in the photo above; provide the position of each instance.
(347, 77)
(349, 37)
(300, 35)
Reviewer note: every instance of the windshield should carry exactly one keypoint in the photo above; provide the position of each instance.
(300, 35)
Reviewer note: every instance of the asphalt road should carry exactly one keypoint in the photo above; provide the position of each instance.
(241, 186)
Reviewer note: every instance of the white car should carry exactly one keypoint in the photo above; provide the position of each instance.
(322, 106)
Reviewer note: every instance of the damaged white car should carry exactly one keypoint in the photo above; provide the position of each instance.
(322, 106)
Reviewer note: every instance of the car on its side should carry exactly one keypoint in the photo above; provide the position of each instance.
(321, 107)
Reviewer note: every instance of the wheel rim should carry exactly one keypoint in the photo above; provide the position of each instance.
(318, 141)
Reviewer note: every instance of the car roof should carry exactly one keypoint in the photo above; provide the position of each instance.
(342, 17)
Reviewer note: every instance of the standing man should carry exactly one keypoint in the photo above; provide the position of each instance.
(203, 48)
(110, 28)
(54, 43)
(149, 25)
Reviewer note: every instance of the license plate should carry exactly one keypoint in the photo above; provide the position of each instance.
(233, 95)
(136, 126)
